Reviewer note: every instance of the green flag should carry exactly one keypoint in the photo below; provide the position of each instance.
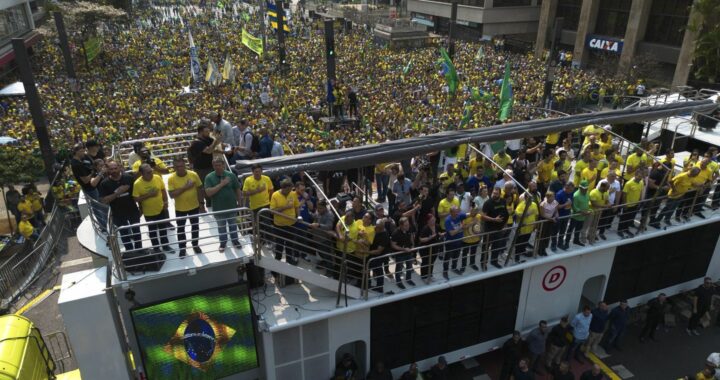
(506, 96)
(449, 72)
(406, 69)
(480, 95)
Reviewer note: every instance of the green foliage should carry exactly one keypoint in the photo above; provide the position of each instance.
(707, 43)
(18, 166)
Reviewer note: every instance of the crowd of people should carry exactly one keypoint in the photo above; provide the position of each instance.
(134, 88)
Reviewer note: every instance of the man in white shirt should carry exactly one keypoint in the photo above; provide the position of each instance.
(222, 127)
(243, 136)
(465, 198)
(615, 195)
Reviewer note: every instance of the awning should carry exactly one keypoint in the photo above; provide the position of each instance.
(423, 22)
(8, 54)
(13, 89)
(393, 151)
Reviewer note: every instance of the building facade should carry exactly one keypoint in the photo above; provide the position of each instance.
(16, 21)
(479, 18)
(623, 29)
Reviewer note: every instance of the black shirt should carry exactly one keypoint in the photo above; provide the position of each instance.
(123, 205)
(198, 158)
(557, 336)
(588, 375)
(335, 180)
(563, 376)
(402, 238)
(494, 208)
(704, 296)
(382, 239)
(82, 168)
(658, 176)
(520, 375)
(426, 232)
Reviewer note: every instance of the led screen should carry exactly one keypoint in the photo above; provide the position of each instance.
(203, 336)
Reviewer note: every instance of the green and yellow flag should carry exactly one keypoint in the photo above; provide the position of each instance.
(506, 96)
(253, 43)
(449, 72)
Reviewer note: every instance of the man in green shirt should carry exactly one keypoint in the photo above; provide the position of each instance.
(223, 188)
(580, 211)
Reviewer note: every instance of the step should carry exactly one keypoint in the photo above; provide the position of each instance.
(305, 272)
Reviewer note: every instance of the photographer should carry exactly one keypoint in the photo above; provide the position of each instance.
(157, 165)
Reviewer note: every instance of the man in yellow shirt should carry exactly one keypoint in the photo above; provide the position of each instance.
(259, 188)
(679, 186)
(581, 164)
(631, 196)
(702, 184)
(155, 163)
(445, 204)
(545, 171)
(286, 208)
(592, 130)
(149, 192)
(590, 173)
(526, 225)
(26, 228)
(186, 188)
(472, 227)
(635, 161)
(502, 159)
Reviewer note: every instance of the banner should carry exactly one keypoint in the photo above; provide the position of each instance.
(194, 61)
(253, 43)
(93, 47)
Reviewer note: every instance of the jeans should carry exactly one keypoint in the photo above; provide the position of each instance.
(626, 218)
(496, 244)
(160, 229)
(575, 348)
(194, 228)
(670, 206)
(469, 253)
(574, 230)
(606, 218)
(613, 336)
(403, 262)
(284, 240)
(452, 252)
(381, 181)
(130, 236)
(226, 221)
(561, 228)
(427, 258)
(521, 245)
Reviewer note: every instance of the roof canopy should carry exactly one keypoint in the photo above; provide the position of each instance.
(14, 89)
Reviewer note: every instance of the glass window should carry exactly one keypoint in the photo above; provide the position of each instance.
(570, 11)
(668, 19)
(612, 17)
(13, 22)
(511, 3)
(470, 3)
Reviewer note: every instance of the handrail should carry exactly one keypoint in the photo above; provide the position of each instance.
(115, 234)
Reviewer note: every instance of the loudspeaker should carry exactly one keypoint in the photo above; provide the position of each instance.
(255, 276)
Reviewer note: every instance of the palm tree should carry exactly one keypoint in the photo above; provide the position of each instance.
(707, 43)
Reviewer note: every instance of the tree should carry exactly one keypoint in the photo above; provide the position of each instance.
(707, 43)
(19, 166)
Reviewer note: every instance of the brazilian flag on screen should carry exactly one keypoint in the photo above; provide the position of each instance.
(209, 335)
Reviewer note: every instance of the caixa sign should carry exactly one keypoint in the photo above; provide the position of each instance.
(605, 44)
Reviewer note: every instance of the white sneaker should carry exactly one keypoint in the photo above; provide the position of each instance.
(696, 332)
(689, 332)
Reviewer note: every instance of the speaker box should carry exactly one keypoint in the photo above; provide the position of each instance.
(255, 276)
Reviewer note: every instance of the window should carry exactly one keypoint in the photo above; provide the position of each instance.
(612, 17)
(570, 10)
(511, 3)
(13, 22)
(668, 19)
(470, 3)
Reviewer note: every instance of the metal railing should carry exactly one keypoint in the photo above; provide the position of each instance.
(166, 148)
(515, 243)
(136, 241)
(21, 270)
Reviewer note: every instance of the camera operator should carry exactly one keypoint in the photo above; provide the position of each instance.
(146, 157)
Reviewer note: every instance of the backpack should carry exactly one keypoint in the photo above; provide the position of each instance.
(255, 145)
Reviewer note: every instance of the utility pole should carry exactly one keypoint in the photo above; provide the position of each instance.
(64, 46)
(33, 99)
(549, 69)
(329, 56)
(453, 20)
(281, 32)
(262, 25)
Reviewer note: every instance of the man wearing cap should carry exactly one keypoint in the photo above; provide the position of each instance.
(580, 212)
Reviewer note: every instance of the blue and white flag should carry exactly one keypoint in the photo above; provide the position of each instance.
(194, 61)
